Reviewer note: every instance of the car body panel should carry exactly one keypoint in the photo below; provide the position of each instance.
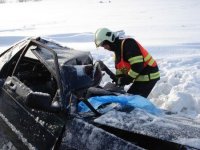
(41, 83)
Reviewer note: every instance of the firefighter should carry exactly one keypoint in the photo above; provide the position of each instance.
(133, 62)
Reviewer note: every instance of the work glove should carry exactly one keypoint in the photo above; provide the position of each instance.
(125, 80)
(114, 80)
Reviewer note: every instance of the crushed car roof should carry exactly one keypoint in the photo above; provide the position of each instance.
(65, 55)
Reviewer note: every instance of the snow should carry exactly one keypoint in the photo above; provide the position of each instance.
(92, 137)
(8, 146)
(193, 142)
(170, 30)
(178, 89)
(162, 126)
(17, 132)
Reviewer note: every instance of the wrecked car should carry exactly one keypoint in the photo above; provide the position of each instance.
(42, 84)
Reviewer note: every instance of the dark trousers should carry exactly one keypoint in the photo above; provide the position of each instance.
(142, 88)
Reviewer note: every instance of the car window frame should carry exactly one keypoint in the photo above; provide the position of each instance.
(56, 74)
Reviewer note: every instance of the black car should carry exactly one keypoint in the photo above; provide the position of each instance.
(40, 80)
(41, 85)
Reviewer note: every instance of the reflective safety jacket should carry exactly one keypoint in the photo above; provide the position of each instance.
(134, 60)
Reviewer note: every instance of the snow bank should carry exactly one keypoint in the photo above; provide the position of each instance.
(178, 90)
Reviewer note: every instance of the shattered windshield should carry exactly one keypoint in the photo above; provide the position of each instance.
(11, 52)
(47, 58)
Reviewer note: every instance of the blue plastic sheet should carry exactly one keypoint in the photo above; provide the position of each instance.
(124, 100)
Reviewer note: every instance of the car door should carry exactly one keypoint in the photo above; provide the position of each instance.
(34, 128)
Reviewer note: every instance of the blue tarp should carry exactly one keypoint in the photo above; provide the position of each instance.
(124, 100)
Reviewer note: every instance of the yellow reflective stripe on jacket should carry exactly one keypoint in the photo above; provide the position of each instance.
(142, 78)
(154, 75)
(147, 57)
(132, 73)
(118, 72)
(149, 60)
(136, 59)
(146, 77)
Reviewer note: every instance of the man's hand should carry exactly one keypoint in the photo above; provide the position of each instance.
(125, 80)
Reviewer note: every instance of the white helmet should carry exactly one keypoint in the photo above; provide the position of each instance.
(102, 35)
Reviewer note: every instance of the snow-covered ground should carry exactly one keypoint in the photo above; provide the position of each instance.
(170, 30)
